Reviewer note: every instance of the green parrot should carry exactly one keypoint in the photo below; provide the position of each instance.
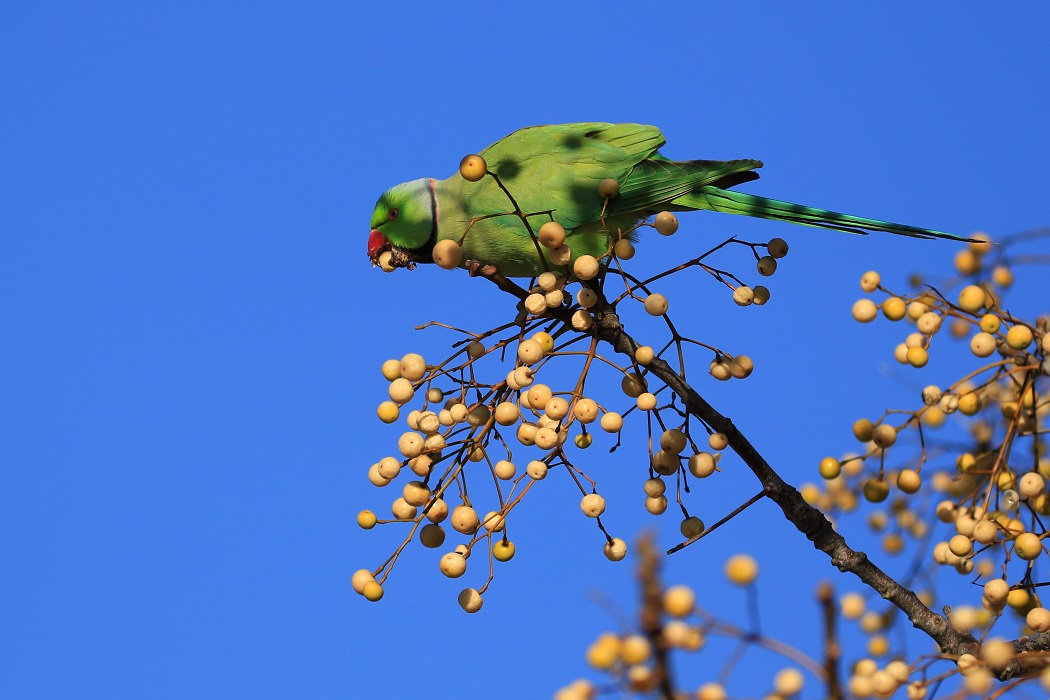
(553, 172)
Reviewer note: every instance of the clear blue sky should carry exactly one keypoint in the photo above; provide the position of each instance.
(191, 333)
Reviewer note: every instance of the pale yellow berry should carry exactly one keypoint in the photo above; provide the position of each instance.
(537, 396)
(447, 254)
(401, 391)
(852, 605)
(679, 601)
(711, 691)
(788, 682)
(777, 247)
(666, 223)
(536, 304)
(869, 281)
(592, 505)
(741, 569)
(552, 234)
(982, 344)
(437, 511)
(585, 267)
(646, 401)
(582, 320)
(864, 310)
(644, 355)
(561, 255)
(530, 351)
(403, 510)
(702, 465)
(743, 295)
(656, 505)
(453, 564)
(917, 690)
(929, 323)
(635, 649)
(585, 410)
(493, 521)
(656, 304)
(720, 369)
(586, 298)
(360, 578)
(386, 261)
(741, 367)
(1038, 619)
(909, 481)
(615, 550)
(464, 520)
(960, 545)
(389, 467)
(416, 493)
(718, 441)
(470, 600)
(536, 469)
(547, 438)
(612, 422)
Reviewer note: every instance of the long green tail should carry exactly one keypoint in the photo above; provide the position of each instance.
(716, 199)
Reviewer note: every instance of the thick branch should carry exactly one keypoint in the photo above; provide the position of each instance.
(807, 519)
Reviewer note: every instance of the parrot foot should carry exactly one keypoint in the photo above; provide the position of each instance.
(476, 268)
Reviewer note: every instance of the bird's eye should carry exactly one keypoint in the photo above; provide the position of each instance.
(393, 214)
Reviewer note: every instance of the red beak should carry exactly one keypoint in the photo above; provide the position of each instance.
(377, 243)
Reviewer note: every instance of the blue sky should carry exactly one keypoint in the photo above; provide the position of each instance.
(192, 334)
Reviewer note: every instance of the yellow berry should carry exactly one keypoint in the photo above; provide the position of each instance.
(971, 298)
(473, 167)
(894, 308)
(552, 234)
(1019, 337)
(388, 412)
(372, 591)
(918, 357)
(447, 254)
(741, 569)
(366, 520)
(743, 295)
(611, 422)
(869, 281)
(830, 468)
(679, 601)
(909, 481)
(503, 550)
(615, 549)
(391, 370)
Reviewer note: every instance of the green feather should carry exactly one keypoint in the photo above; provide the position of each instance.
(553, 173)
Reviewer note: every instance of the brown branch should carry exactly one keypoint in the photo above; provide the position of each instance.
(808, 520)
(651, 614)
(832, 649)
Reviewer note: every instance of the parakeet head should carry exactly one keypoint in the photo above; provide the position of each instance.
(405, 222)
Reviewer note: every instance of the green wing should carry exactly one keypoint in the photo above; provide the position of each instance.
(559, 167)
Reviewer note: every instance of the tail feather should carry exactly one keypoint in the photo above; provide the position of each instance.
(716, 199)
